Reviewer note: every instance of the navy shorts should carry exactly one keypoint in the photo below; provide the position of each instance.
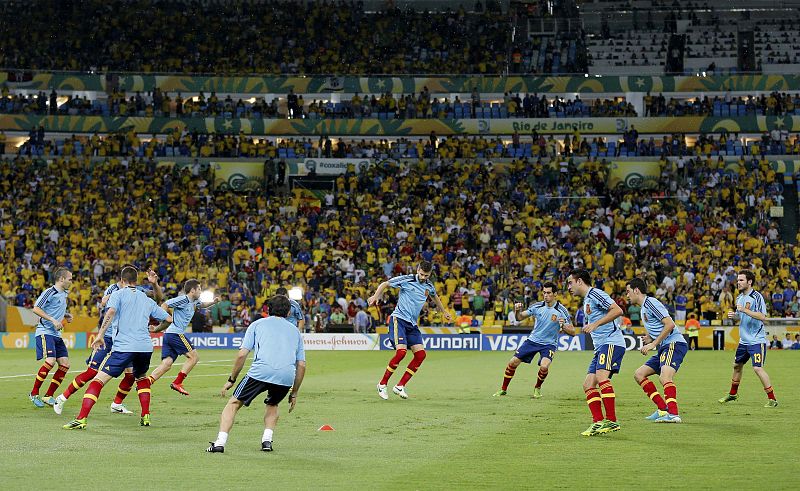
(607, 357)
(48, 346)
(117, 362)
(527, 352)
(755, 352)
(174, 345)
(670, 355)
(98, 356)
(249, 388)
(403, 332)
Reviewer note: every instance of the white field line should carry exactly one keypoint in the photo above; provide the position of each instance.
(8, 377)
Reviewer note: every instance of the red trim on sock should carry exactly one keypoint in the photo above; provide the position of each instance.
(413, 366)
(649, 388)
(393, 363)
(595, 405)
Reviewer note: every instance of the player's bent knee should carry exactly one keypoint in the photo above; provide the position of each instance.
(420, 355)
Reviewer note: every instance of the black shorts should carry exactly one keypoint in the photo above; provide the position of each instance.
(249, 388)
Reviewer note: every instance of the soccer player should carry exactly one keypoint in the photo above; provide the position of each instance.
(403, 330)
(296, 316)
(95, 360)
(609, 348)
(51, 307)
(175, 343)
(549, 317)
(671, 349)
(132, 345)
(278, 367)
(751, 311)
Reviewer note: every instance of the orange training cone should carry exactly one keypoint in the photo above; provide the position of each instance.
(325, 428)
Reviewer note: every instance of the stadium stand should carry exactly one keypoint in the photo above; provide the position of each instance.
(495, 240)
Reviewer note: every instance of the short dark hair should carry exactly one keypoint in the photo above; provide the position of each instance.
(425, 266)
(581, 274)
(190, 285)
(129, 274)
(279, 306)
(638, 284)
(127, 266)
(282, 291)
(60, 273)
(550, 285)
(748, 275)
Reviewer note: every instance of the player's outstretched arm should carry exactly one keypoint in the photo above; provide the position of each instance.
(373, 300)
(669, 325)
(299, 374)
(520, 312)
(568, 327)
(209, 304)
(158, 293)
(442, 309)
(238, 363)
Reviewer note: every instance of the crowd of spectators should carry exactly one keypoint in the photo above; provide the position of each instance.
(494, 234)
(244, 37)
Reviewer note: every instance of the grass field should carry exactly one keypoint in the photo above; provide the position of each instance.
(450, 434)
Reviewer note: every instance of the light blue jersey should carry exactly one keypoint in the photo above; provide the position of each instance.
(653, 311)
(413, 296)
(133, 311)
(547, 327)
(596, 305)
(54, 304)
(295, 313)
(111, 289)
(277, 347)
(182, 312)
(751, 330)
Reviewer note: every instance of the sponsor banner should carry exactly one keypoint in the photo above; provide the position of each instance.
(634, 174)
(340, 342)
(332, 167)
(448, 342)
(511, 342)
(19, 340)
(65, 81)
(399, 127)
(238, 176)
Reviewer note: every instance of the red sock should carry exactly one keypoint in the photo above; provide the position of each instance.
(608, 396)
(540, 377)
(508, 375)
(595, 406)
(124, 388)
(770, 393)
(649, 388)
(413, 366)
(79, 382)
(179, 378)
(670, 394)
(43, 371)
(58, 377)
(396, 359)
(734, 387)
(143, 389)
(90, 397)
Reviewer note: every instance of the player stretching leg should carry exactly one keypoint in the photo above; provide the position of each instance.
(403, 330)
(609, 348)
(98, 356)
(549, 317)
(671, 349)
(51, 307)
(751, 310)
(175, 342)
(132, 346)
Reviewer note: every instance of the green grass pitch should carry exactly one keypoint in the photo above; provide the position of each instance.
(451, 433)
